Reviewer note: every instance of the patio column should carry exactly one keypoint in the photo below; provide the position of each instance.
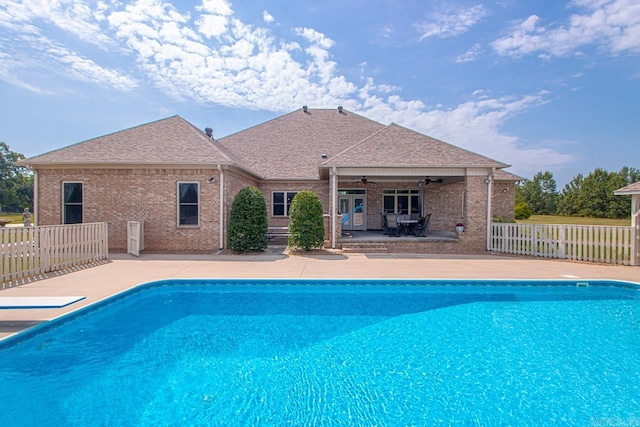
(488, 180)
(332, 204)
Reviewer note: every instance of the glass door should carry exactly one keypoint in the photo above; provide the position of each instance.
(353, 209)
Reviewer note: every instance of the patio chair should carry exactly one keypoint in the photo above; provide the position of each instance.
(420, 229)
(392, 225)
(385, 228)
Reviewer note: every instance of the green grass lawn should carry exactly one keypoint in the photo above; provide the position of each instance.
(16, 218)
(574, 220)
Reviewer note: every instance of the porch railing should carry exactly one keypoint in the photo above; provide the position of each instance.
(604, 244)
(30, 251)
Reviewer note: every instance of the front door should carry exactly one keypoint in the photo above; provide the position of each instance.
(353, 209)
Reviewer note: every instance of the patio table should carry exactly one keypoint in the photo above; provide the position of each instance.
(407, 224)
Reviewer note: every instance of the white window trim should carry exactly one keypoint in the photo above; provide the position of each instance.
(286, 213)
(409, 192)
(178, 204)
(63, 210)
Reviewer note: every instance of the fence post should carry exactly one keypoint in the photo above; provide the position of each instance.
(635, 242)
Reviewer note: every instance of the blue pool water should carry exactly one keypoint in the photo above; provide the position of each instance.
(387, 353)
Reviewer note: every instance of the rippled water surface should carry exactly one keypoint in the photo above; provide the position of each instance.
(389, 353)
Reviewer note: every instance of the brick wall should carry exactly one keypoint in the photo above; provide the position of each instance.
(503, 199)
(116, 196)
(320, 188)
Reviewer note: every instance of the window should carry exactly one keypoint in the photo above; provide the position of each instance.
(72, 203)
(188, 204)
(402, 202)
(282, 202)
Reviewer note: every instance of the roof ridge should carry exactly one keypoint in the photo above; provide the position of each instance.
(357, 144)
(212, 142)
(450, 144)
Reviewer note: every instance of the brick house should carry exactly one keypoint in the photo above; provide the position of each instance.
(181, 181)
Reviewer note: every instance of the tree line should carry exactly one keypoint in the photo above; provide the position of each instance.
(16, 182)
(585, 196)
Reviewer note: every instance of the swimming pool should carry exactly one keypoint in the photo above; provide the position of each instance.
(338, 352)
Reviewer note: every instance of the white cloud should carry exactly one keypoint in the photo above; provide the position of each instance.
(474, 125)
(613, 25)
(315, 37)
(453, 23)
(266, 16)
(469, 55)
(209, 56)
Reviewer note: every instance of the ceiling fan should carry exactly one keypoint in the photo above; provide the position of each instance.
(365, 180)
(428, 180)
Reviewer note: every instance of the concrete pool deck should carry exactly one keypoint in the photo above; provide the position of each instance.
(122, 272)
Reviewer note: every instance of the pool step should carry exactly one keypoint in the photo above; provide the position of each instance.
(364, 247)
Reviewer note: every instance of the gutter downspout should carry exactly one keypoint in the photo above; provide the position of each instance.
(222, 242)
(35, 199)
(489, 190)
(333, 208)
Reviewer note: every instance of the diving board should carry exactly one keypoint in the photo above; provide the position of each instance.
(37, 302)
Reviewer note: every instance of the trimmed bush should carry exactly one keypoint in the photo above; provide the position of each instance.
(306, 224)
(248, 221)
(522, 211)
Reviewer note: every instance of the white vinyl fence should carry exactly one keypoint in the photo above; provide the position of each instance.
(604, 244)
(29, 251)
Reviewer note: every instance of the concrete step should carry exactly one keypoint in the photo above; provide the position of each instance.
(364, 247)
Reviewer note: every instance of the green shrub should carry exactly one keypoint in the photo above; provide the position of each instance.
(306, 223)
(499, 218)
(248, 221)
(522, 211)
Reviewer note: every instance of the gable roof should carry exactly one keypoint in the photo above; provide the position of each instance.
(168, 141)
(401, 147)
(296, 146)
(503, 175)
(290, 146)
(629, 189)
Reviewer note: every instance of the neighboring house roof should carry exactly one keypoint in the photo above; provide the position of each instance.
(401, 147)
(168, 141)
(503, 175)
(290, 146)
(628, 190)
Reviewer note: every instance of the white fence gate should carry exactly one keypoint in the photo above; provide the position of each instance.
(135, 237)
(605, 244)
(29, 251)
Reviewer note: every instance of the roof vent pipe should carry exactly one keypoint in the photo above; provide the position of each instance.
(209, 132)
(304, 108)
(340, 109)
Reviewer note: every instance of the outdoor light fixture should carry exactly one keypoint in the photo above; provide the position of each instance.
(212, 179)
(504, 190)
(487, 180)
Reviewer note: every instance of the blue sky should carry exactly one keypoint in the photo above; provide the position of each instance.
(541, 85)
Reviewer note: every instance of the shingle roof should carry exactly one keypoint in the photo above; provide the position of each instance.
(503, 175)
(290, 146)
(168, 141)
(398, 146)
(629, 189)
